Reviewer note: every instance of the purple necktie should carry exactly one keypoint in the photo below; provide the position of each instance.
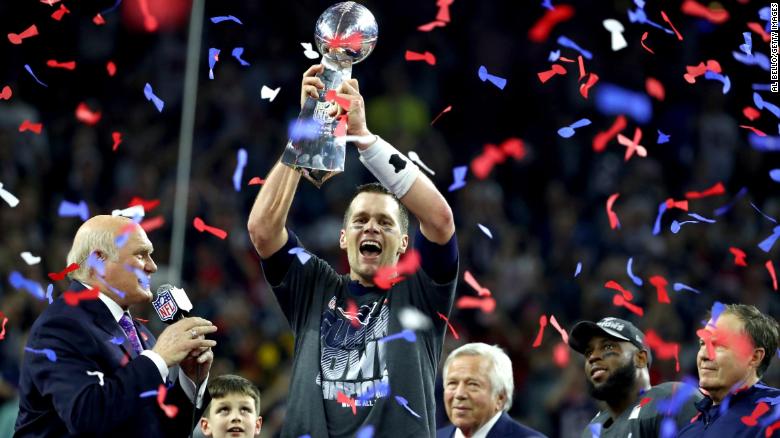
(132, 334)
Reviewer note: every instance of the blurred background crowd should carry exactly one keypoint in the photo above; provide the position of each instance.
(546, 211)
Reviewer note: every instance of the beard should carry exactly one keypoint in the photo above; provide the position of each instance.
(617, 386)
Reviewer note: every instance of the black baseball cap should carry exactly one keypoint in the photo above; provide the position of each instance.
(617, 328)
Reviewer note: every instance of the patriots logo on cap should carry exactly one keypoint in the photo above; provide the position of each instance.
(165, 305)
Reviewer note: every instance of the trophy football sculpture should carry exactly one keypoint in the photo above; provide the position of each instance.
(345, 34)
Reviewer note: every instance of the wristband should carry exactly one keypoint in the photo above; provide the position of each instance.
(389, 166)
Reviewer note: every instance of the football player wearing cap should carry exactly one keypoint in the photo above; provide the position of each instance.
(617, 361)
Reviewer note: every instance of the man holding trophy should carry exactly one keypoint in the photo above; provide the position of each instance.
(351, 369)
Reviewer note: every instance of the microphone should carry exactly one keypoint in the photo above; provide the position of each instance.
(171, 303)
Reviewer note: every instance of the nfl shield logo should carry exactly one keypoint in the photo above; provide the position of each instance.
(165, 305)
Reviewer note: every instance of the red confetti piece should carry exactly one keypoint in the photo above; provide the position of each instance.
(663, 349)
(772, 428)
(584, 88)
(5, 320)
(739, 256)
(445, 110)
(85, 115)
(117, 137)
(602, 138)
(666, 19)
(29, 126)
(152, 224)
(444, 10)
(256, 181)
(614, 222)
(343, 398)
(759, 29)
(98, 20)
(612, 284)
(581, 64)
(17, 38)
(565, 59)
(644, 37)
(6, 93)
(542, 28)
(716, 16)
(556, 69)
(69, 65)
(446, 320)
(471, 281)
(50, 2)
(707, 336)
(414, 56)
(771, 268)
(482, 165)
(72, 298)
(660, 284)
(645, 401)
(341, 127)
(561, 354)
(682, 205)
(694, 71)
(655, 88)
(757, 131)
(352, 312)
(751, 113)
(542, 325)
(513, 147)
(488, 304)
(111, 68)
(618, 300)
(387, 276)
(332, 96)
(739, 343)
(141, 320)
(430, 26)
(632, 145)
(353, 41)
(715, 190)
(144, 336)
(561, 331)
(59, 13)
(57, 276)
(148, 204)
(201, 226)
(170, 410)
(760, 409)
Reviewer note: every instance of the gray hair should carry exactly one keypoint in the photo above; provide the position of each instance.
(500, 374)
(86, 242)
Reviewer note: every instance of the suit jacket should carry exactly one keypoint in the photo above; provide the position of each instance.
(505, 427)
(59, 399)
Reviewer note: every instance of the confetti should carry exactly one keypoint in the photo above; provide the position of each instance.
(485, 230)
(615, 28)
(471, 281)
(682, 205)
(131, 212)
(568, 43)
(403, 402)
(568, 131)
(602, 138)
(241, 160)
(612, 284)
(428, 57)
(406, 334)
(739, 256)
(445, 110)
(8, 197)
(98, 374)
(85, 115)
(111, 68)
(561, 331)
(618, 300)
(57, 276)
(542, 325)
(30, 259)
(32, 127)
(150, 96)
(541, 30)
(6, 93)
(308, 52)
(561, 354)
(387, 276)
(679, 286)
(666, 19)
(614, 222)
(365, 432)
(213, 58)
(663, 349)
(459, 177)
(170, 410)
(99, 20)
(637, 281)
(613, 100)
(427, 27)
(761, 104)
(595, 430)
(352, 41)
(413, 319)
(256, 181)
(662, 138)
(443, 14)
(301, 253)
(585, 88)
(152, 224)
(642, 41)
(333, 96)
(345, 400)
(660, 284)
(747, 48)
(446, 320)
(27, 33)
(220, 19)
(655, 88)
(18, 281)
(49, 353)
(29, 70)
(755, 130)
(756, 27)
(676, 226)
(720, 78)
(752, 420)
(632, 145)
(767, 244)
(416, 159)
(117, 138)
(694, 9)
(487, 304)
(495, 80)
(69, 209)
(578, 269)
(556, 69)
(70, 65)
(715, 190)
(661, 210)
(770, 267)
(201, 226)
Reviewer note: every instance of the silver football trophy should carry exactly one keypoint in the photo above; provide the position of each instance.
(345, 34)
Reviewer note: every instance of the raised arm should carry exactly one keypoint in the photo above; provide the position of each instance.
(396, 172)
(268, 217)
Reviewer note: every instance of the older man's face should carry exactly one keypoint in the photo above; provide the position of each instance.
(729, 361)
(468, 393)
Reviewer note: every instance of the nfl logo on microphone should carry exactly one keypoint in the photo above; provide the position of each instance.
(165, 305)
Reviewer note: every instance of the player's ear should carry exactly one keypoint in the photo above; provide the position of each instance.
(404, 243)
(258, 425)
(205, 427)
(343, 239)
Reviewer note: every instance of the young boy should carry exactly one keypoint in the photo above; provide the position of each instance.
(234, 410)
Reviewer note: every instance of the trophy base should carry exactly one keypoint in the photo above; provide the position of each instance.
(316, 176)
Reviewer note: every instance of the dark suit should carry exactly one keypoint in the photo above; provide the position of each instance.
(505, 427)
(60, 399)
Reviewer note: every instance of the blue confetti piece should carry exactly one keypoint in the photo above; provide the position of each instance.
(578, 269)
(637, 281)
(770, 400)
(612, 100)
(701, 218)
(679, 286)
(150, 96)
(213, 57)
(112, 8)
(305, 436)
(568, 131)
(639, 16)
(121, 240)
(49, 353)
(29, 70)
(595, 430)
(775, 175)
(709, 74)
(717, 309)
(485, 230)
(405, 403)
(761, 87)
(662, 138)
(146, 394)
(365, 432)
(49, 290)
(554, 55)
(762, 104)
(668, 428)
(69, 209)
(140, 274)
(236, 53)
(758, 59)
(767, 244)
(18, 281)
(766, 216)
(304, 129)
(764, 144)
(222, 18)
(677, 225)
(493, 79)
(117, 341)
(380, 390)
(657, 226)
(720, 211)
(239, 172)
(459, 177)
(672, 405)
(93, 261)
(748, 46)
(407, 334)
(566, 42)
(301, 253)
